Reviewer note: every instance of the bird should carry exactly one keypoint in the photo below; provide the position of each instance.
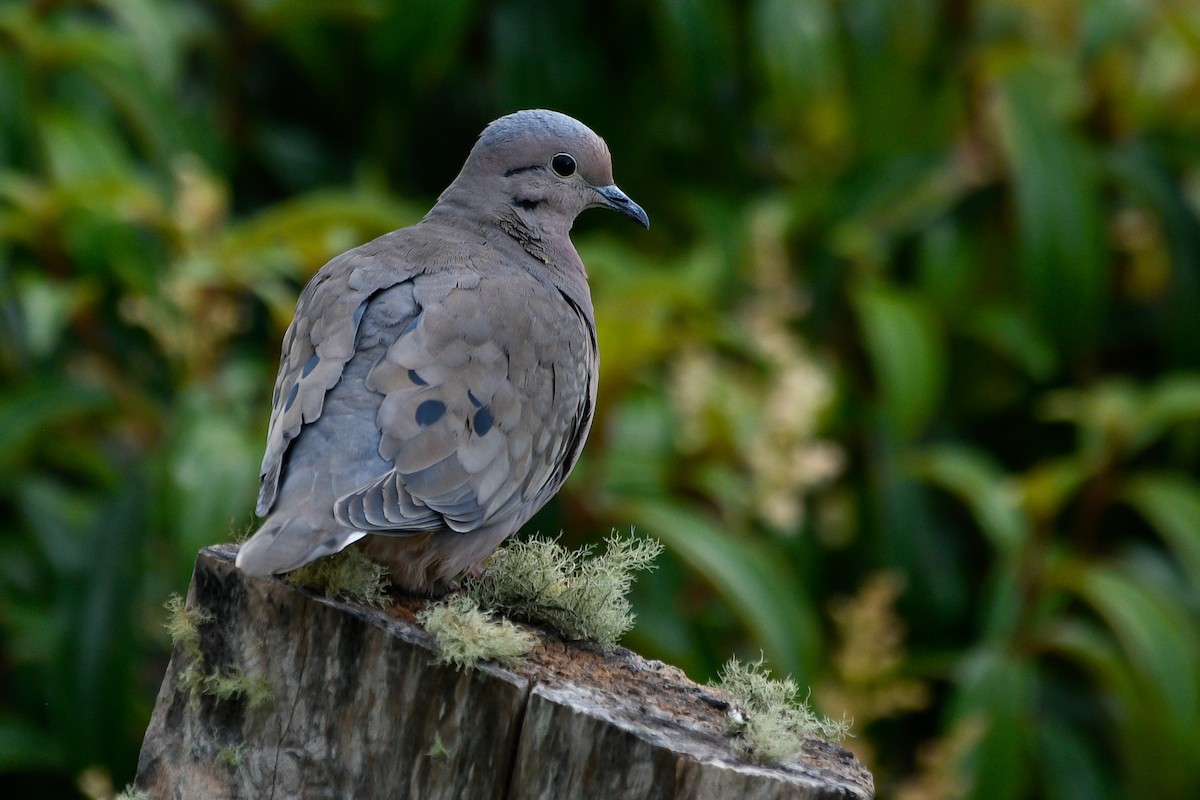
(436, 385)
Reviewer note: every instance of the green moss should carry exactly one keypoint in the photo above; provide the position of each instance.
(579, 595)
(465, 634)
(769, 719)
(347, 575)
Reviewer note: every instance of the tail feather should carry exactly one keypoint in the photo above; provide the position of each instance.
(283, 544)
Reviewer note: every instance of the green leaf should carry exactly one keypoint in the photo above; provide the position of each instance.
(78, 150)
(1060, 225)
(148, 24)
(760, 588)
(992, 496)
(1072, 768)
(1156, 744)
(908, 355)
(24, 748)
(1011, 334)
(1173, 400)
(1170, 502)
(34, 410)
(996, 690)
(1156, 635)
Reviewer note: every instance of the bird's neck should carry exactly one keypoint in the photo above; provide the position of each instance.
(543, 236)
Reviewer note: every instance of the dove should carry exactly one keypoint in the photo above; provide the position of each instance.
(436, 385)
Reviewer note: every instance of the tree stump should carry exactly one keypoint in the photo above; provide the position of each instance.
(301, 696)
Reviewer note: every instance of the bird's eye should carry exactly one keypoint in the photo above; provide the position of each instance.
(563, 165)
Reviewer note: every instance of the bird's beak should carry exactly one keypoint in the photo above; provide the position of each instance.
(614, 198)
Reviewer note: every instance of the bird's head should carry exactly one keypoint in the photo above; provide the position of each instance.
(547, 166)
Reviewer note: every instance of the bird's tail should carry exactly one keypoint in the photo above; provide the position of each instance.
(284, 543)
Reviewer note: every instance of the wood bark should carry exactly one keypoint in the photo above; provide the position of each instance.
(358, 709)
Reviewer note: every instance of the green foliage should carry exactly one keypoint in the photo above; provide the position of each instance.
(769, 719)
(346, 575)
(465, 634)
(919, 301)
(580, 595)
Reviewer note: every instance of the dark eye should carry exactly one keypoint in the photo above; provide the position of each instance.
(563, 165)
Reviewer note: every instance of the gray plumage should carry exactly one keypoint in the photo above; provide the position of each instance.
(437, 384)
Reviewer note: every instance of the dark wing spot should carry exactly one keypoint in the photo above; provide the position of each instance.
(474, 400)
(291, 398)
(310, 365)
(417, 379)
(526, 203)
(430, 412)
(483, 421)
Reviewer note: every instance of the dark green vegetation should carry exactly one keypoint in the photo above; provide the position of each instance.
(906, 376)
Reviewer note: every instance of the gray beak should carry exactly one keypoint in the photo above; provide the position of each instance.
(614, 198)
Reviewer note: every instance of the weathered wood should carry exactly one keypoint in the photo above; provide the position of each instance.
(359, 710)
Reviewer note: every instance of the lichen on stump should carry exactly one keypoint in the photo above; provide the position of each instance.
(359, 708)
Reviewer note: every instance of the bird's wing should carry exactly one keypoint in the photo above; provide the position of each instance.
(487, 396)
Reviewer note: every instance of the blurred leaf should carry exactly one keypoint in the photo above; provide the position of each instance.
(638, 440)
(210, 476)
(420, 39)
(907, 354)
(1170, 401)
(1147, 175)
(1062, 257)
(149, 26)
(1171, 504)
(997, 691)
(77, 149)
(1047, 487)
(1012, 335)
(990, 495)
(28, 411)
(1155, 751)
(46, 310)
(1156, 635)
(1072, 767)
(24, 748)
(762, 590)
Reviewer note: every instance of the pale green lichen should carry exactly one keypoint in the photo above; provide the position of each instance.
(231, 756)
(252, 687)
(465, 634)
(183, 625)
(577, 594)
(346, 575)
(130, 793)
(437, 749)
(769, 720)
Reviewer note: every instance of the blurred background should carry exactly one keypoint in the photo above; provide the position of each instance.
(906, 375)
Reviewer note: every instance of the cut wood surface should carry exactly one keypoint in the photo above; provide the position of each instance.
(347, 702)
